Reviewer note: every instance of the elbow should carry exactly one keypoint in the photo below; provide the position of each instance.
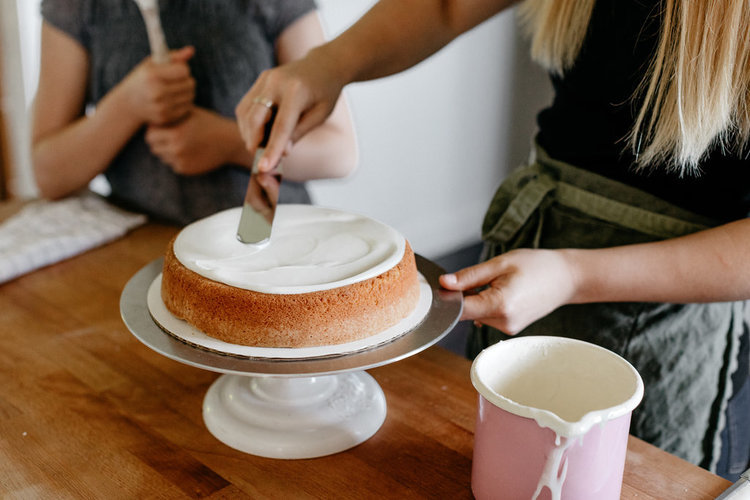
(337, 154)
(348, 150)
(44, 188)
(342, 131)
(348, 161)
(329, 152)
(47, 184)
(47, 190)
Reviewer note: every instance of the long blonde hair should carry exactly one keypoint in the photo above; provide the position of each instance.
(696, 90)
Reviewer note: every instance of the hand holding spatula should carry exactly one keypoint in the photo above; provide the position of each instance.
(259, 208)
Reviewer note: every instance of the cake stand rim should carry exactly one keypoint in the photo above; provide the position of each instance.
(443, 315)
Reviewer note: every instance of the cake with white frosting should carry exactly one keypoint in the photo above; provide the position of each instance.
(325, 277)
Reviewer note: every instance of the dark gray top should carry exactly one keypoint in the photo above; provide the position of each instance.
(234, 42)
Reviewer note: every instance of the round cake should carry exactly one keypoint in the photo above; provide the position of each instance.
(325, 277)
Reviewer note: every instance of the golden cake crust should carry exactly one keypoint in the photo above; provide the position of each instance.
(325, 317)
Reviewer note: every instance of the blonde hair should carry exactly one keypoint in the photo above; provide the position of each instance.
(696, 89)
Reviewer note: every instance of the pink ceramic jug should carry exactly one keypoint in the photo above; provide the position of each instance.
(553, 420)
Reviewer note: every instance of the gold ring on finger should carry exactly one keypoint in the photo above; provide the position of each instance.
(265, 102)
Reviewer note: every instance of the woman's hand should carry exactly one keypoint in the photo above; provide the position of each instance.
(159, 94)
(522, 286)
(305, 92)
(69, 146)
(202, 141)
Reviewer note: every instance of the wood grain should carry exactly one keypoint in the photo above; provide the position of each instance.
(87, 411)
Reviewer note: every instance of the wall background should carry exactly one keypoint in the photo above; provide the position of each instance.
(435, 141)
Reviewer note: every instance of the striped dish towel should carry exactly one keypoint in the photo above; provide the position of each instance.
(44, 232)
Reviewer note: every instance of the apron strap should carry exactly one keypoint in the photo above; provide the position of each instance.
(523, 205)
(616, 212)
(540, 184)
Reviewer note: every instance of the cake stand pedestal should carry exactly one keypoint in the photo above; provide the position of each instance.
(292, 408)
(294, 417)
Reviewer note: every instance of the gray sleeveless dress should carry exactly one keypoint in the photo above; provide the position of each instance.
(234, 42)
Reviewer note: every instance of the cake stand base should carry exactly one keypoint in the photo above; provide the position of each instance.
(294, 417)
(292, 408)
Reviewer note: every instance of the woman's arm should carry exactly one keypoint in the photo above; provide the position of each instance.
(392, 36)
(524, 285)
(206, 140)
(70, 148)
(395, 35)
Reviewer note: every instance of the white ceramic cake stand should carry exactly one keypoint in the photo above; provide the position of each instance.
(292, 408)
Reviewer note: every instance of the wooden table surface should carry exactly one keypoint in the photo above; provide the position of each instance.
(87, 411)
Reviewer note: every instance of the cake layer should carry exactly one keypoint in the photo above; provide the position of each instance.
(324, 317)
(311, 248)
(326, 277)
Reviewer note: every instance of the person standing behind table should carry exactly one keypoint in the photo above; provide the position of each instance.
(165, 136)
(630, 229)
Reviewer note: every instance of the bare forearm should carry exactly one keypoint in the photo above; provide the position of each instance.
(709, 266)
(395, 34)
(66, 160)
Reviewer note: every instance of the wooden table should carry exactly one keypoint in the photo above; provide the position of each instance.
(87, 411)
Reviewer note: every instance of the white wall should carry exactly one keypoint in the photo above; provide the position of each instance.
(435, 141)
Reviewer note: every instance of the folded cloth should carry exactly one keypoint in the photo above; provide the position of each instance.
(44, 232)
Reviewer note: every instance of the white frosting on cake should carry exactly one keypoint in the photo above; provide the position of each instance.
(311, 248)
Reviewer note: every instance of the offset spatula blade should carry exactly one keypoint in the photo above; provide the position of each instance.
(261, 198)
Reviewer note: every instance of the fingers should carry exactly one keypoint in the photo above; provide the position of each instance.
(178, 95)
(281, 132)
(182, 55)
(489, 308)
(253, 112)
(169, 113)
(498, 325)
(175, 70)
(172, 100)
(159, 143)
(517, 288)
(156, 137)
(482, 305)
(163, 93)
(474, 276)
(298, 112)
(177, 88)
(252, 116)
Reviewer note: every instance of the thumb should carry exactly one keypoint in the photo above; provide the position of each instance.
(183, 54)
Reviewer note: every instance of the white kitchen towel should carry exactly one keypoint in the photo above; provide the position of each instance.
(44, 232)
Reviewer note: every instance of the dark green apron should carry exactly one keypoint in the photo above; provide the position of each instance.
(685, 353)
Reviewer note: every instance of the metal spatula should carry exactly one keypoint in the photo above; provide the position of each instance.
(261, 198)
